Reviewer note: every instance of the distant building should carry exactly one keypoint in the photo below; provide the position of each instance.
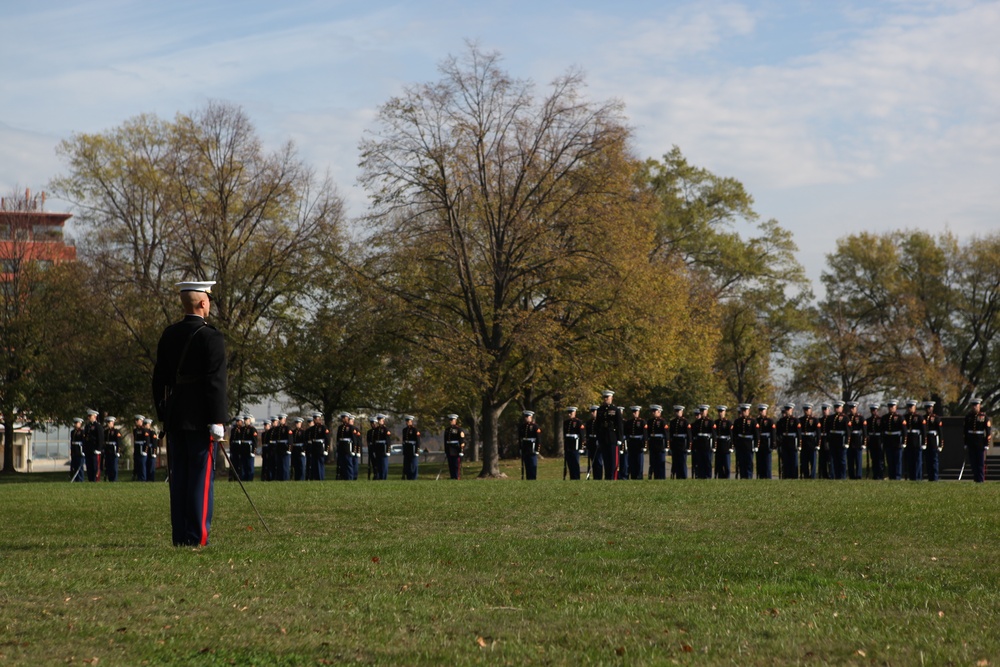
(28, 233)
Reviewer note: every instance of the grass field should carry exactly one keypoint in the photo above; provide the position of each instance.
(506, 572)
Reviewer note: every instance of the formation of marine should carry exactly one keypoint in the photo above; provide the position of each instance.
(831, 445)
(615, 443)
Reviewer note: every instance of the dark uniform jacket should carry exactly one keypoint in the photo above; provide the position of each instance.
(609, 426)
(635, 433)
(703, 432)
(766, 432)
(454, 440)
(724, 433)
(93, 438)
(194, 396)
(745, 431)
(891, 428)
(811, 429)
(573, 427)
(789, 429)
(113, 440)
(857, 431)
(657, 429)
(977, 429)
(935, 430)
(680, 434)
(411, 440)
(529, 435)
(381, 438)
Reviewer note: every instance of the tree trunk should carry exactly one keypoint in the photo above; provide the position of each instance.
(491, 437)
(8, 448)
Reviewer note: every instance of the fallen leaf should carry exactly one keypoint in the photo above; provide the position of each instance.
(687, 648)
(860, 652)
(216, 596)
(376, 560)
(773, 612)
(940, 614)
(620, 650)
(934, 558)
(250, 528)
(92, 661)
(984, 662)
(121, 630)
(481, 642)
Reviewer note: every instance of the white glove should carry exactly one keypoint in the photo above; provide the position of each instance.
(216, 430)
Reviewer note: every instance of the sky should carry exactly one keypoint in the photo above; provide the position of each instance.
(838, 117)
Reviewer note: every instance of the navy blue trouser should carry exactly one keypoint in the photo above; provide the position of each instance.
(139, 466)
(914, 458)
(658, 462)
(855, 462)
(744, 458)
(298, 463)
(76, 464)
(111, 465)
(151, 467)
(932, 463)
(789, 461)
(380, 469)
(764, 462)
(530, 463)
(411, 466)
(572, 458)
(838, 459)
(635, 461)
(679, 461)
(455, 466)
(807, 462)
(284, 466)
(191, 486)
(722, 461)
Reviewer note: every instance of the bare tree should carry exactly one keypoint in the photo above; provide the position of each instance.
(494, 214)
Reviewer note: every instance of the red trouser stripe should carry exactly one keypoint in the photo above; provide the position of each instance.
(204, 498)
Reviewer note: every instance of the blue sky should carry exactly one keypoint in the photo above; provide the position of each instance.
(837, 116)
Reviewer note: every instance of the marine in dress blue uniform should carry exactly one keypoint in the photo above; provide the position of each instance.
(913, 451)
(610, 427)
(318, 441)
(529, 435)
(250, 439)
(382, 441)
(723, 443)
(281, 443)
(836, 434)
(595, 462)
(745, 430)
(978, 438)
(574, 442)
(454, 446)
(766, 438)
(93, 446)
(298, 450)
(934, 442)
(892, 427)
(636, 433)
(112, 449)
(876, 451)
(347, 448)
(139, 449)
(236, 449)
(76, 470)
(702, 444)
(411, 448)
(857, 441)
(189, 390)
(789, 431)
(657, 429)
(825, 467)
(680, 443)
(154, 450)
(810, 429)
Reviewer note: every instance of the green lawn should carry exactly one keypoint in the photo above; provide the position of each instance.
(506, 572)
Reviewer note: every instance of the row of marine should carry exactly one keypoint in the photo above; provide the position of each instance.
(831, 445)
(95, 450)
